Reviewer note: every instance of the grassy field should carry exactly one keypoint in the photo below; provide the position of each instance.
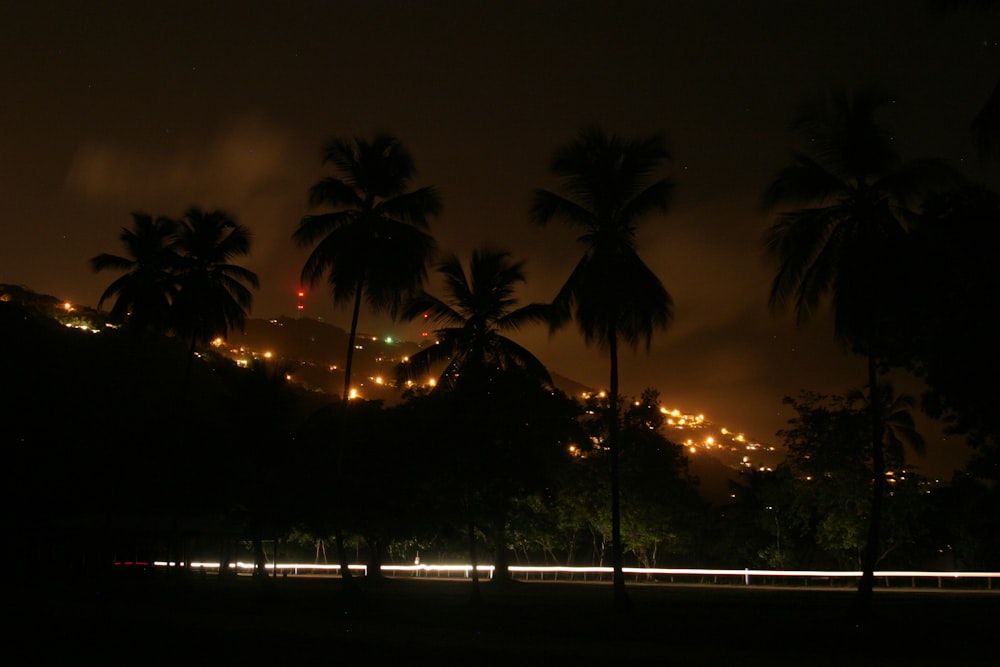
(419, 621)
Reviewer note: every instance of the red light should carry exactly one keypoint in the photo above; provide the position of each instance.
(424, 333)
(301, 307)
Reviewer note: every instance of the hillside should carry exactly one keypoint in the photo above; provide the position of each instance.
(312, 354)
(313, 351)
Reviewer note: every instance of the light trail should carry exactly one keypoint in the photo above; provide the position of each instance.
(465, 570)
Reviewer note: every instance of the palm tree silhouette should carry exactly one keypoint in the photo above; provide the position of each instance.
(855, 194)
(611, 293)
(144, 294)
(481, 310)
(476, 354)
(213, 294)
(374, 245)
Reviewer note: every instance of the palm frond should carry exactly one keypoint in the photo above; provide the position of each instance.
(913, 182)
(794, 242)
(412, 207)
(436, 310)
(645, 306)
(396, 257)
(239, 273)
(547, 206)
(335, 193)
(105, 261)
(532, 313)
(314, 227)
(508, 354)
(655, 198)
(421, 363)
(804, 181)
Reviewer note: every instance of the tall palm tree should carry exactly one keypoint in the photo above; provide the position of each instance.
(846, 204)
(143, 295)
(374, 245)
(476, 355)
(610, 185)
(213, 294)
(479, 310)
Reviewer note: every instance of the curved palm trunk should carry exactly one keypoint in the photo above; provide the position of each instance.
(867, 582)
(349, 363)
(617, 561)
(345, 570)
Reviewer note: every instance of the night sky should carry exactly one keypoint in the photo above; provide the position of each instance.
(108, 108)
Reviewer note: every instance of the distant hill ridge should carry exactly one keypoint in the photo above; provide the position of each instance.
(313, 352)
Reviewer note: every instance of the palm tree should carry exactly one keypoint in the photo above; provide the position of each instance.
(611, 293)
(143, 295)
(213, 294)
(855, 194)
(481, 310)
(477, 356)
(374, 245)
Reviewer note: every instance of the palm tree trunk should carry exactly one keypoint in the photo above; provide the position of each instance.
(349, 363)
(376, 552)
(477, 596)
(867, 582)
(617, 561)
(345, 563)
(259, 560)
(501, 559)
(345, 570)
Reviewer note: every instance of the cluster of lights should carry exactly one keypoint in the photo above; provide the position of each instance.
(673, 418)
(893, 478)
(588, 395)
(80, 326)
(678, 419)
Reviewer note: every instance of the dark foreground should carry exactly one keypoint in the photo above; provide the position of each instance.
(147, 621)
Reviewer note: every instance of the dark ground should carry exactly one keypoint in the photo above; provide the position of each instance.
(155, 620)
